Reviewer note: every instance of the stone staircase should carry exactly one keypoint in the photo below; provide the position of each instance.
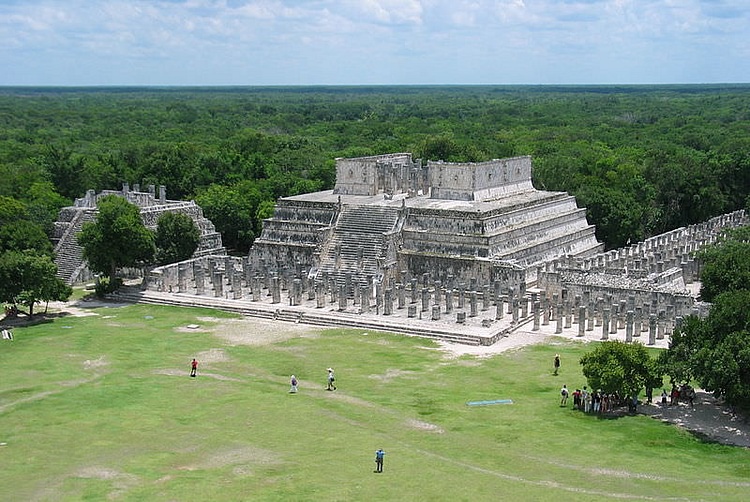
(68, 253)
(359, 239)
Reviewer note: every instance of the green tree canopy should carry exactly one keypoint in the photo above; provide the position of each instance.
(27, 278)
(117, 238)
(726, 265)
(17, 231)
(614, 366)
(715, 351)
(177, 238)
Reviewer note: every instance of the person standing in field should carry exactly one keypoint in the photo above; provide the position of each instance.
(293, 383)
(379, 455)
(194, 368)
(556, 363)
(564, 394)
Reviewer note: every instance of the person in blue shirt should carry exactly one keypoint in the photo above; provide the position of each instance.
(379, 454)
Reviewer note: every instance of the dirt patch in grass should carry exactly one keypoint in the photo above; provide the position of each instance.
(257, 331)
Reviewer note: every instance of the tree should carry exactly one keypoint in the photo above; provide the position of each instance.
(715, 351)
(624, 368)
(177, 238)
(726, 265)
(28, 278)
(17, 231)
(117, 238)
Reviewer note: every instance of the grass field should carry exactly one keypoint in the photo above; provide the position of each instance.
(102, 408)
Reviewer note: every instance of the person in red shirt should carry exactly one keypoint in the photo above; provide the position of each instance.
(194, 368)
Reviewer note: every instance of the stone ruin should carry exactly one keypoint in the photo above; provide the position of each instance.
(68, 253)
(465, 252)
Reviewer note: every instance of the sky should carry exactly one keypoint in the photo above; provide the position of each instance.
(372, 42)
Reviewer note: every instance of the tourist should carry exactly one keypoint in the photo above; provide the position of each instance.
(577, 399)
(331, 380)
(293, 383)
(379, 454)
(664, 397)
(674, 396)
(586, 398)
(557, 363)
(597, 399)
(194, 368)
(691, 397)
(564, 394)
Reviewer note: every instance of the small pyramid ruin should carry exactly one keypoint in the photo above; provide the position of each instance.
(71, 266)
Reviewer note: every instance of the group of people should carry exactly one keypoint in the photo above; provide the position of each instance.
(330, 380)
(596, 401)
(685, 392)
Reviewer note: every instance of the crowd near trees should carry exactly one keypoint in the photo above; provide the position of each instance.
(641, 159)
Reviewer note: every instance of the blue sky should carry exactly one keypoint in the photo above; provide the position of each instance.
(308, 42)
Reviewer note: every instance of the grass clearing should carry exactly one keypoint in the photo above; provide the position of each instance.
(101, 407)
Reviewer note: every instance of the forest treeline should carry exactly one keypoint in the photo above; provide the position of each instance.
(641, 159)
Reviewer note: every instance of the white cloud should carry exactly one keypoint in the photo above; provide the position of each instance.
(360, 41)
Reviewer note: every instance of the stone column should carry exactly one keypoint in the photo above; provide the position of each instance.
(401, 294)
(605, 324)
(436, 312)
(448, 300)
(613, 319)
(237, 285)
(629, 326)
(621, 313)
(486, 298)
(218, 281)
(473, 304)
(297, 292)
(387, 301)
(425, 299)
(461, 297)
(537, 311)
(412, 310)
(524, 307)
(652, 329)
(560, 320)
(200, 281)
(342, 297)
(365, 299)
(460, 317)
(499, 308)
(545, 311)
(275, 289)
(581, 320)
(414, 290)
(661, 321)
(320, 294)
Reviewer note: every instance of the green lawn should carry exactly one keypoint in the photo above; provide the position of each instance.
(102, 408)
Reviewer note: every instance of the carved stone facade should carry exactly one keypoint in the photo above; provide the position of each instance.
(68, 253)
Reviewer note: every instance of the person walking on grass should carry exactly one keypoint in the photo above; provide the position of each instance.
(293, 385)
(556, 363)
(379, 455)
(331, 380)
(194, 368)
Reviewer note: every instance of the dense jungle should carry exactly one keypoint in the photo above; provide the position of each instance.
(641, 159)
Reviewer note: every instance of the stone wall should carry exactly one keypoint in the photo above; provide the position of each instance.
(479, 181)
(390, 173)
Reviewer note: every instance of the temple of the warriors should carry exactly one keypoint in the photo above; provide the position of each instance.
(390, 219)
(68, 253)
(465, 252)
